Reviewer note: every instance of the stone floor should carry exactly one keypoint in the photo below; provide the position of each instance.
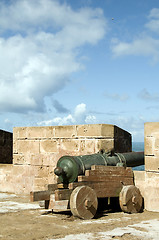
(21, 220)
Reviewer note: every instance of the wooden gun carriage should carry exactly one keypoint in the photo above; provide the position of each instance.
(97, 182)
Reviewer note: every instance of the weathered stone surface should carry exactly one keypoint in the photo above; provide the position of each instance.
(151, 191)
(40, 132)
(69, 145)
(19, 133)
(152, 163)
(65, 131)
(36, 150)
(95, 130)
(40, 184)
(122, 140)
(49, 146)
(87, 146)
(139, 180)
(149, 146)
(106, 144)
(151, 129)
(25, 146)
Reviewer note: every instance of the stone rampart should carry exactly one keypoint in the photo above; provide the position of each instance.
(37, 149)
(151, 195)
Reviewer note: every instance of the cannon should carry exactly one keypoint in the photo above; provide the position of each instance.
(70, 167)
(83, 181)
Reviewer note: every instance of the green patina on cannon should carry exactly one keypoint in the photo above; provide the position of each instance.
(70, 167)
(87, 182)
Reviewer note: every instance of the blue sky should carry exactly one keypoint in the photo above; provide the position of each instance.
(79, 62)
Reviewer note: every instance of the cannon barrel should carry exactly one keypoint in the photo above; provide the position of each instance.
(70, 167)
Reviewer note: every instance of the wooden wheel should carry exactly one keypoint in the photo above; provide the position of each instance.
(130, 199)
(83, 202)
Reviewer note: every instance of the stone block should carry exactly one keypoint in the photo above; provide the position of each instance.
(87, 146)
(40, 132)
(22, 170)
(65, 131)
(151, 129)
(23, 158)
(139, 180)
(152, 163)
(49, 146)
(41, 171)
(151, 197)
(52, 178)
(70, 146)
(40, 184)
(51, 159)
(149, 146)
(122, 140)
(28, 184)
(106, 144)
(95, 130)
(15, 146)
(19, 170)
(37, 159)
(19, 132)
(25, 146)
(19, 159)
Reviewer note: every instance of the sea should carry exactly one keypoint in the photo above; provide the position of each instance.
(138, 147)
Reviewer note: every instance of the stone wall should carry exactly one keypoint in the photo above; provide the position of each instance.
(6, 147)
(151, 195)
(37, 149)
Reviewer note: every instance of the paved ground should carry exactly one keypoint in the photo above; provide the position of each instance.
(22, 220)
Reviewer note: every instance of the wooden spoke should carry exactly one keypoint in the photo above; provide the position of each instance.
(83, 202)
(130, 199)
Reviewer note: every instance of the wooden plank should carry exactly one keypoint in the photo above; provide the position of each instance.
(105, 189)
(40, 195)
(75, 184)
(62, 186)
(100, 178)
(62, 205)
(111, 190)
(52, 187)
(43, 195)
(62, 194)
(109, 170)
(105, 192)
(106, 168)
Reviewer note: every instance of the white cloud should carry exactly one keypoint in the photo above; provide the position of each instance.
(38, 46)
(117, 97)
(146, 95)
(79, 116)
(144, 44)
(80, 112)
(153, 23)
(90, 119)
